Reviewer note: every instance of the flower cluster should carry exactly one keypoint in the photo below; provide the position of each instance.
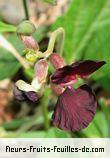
(75, 108)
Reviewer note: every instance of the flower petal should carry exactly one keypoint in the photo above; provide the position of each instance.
(41, 69)
(75, 109)
(85, 68)
(56, 60)
(23, 86)
(62, 75)
(35, 84)
(30, 42)
(69, 72)
(18, 94)
(23, 96)
(32, 96)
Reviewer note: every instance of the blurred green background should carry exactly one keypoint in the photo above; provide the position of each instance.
(87, 27)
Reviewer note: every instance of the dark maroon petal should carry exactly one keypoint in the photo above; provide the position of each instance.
(23, 96)
(75, 109)
(32, 96)
(62, 75)
(81, 68)
(18, 94)
(85, 68)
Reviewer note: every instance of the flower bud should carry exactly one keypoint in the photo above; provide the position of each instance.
(56, 60)
(25, 28)
(30, 42)
(41, 68)
(31, 55)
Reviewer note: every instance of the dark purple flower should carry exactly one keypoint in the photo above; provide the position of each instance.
(75, 109)
(23, 96)
(69, 72)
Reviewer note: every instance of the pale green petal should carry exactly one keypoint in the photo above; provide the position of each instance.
(24, 86)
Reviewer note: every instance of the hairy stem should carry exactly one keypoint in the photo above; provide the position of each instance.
(26, 9)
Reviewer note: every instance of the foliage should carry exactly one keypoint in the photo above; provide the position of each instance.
(7, 59)
(50, 1)
(6, 27)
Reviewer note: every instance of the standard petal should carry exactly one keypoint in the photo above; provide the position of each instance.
(75, 109)
(81, 68)
(85, 68)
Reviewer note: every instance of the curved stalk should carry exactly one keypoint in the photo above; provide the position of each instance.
(59, 32)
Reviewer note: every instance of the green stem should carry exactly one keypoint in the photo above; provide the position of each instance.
(60, 31)
(45, 112)
(26, 9)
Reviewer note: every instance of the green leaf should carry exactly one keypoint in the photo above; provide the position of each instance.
(51, 133)
(17, 123)
(14, 124)
(87, 27)
(67, 21)
(38, 134)
(8, 64)
(6, 27)
(57, 133)
(50, 1)
(106, 110)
